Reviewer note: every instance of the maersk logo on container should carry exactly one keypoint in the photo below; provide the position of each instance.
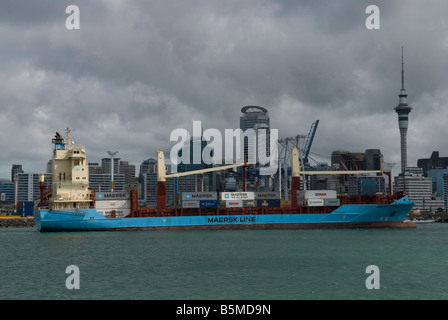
(237, 196)
(321, 194)
(199, 196)
(212, 152)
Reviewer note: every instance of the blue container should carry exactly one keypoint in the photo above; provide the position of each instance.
(208, 203)
(268, 203)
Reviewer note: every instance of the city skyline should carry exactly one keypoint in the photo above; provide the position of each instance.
(134, 72)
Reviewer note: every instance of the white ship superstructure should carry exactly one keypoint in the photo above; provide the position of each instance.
(70, 187)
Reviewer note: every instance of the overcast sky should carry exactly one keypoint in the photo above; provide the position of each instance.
(136, 70)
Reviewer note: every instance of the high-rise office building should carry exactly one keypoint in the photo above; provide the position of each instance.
(257, 118)
(403, 110)
(27, 186)
(434, 161)
(16, 168)
(128, 170)
(105, 164)
(419, 189)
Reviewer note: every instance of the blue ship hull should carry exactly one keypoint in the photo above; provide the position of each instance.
(347, 216)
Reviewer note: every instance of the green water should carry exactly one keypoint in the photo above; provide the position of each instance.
(274, 264)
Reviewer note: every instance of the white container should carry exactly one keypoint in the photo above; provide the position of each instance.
(112, 204)
(237, 196)
(315, 202)
(320, 194)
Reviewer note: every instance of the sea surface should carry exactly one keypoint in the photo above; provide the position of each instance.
(226, 265)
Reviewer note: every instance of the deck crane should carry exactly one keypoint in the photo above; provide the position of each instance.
(162, 176)
(296, 172)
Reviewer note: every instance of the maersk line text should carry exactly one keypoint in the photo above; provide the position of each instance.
(231, 219)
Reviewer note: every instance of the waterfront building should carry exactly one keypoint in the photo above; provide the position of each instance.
(128, 171)
(419, 189)
(345, 160)
(433, 161)
(105, 165)
(174, 187)
(200, 182)
(27, 186)
(373, 159)
(366, 185)
(16, 168)
(95, 168)
(148, 165)
(102, 182)
(436, 175)
(7, 190)
(254, 117)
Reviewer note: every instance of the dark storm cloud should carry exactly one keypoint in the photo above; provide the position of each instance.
(136, 70)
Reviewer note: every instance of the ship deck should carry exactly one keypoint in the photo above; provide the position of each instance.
(345, 200)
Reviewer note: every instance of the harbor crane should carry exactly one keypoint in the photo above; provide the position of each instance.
(309, 141)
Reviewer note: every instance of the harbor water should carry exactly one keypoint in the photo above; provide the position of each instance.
(222, 265)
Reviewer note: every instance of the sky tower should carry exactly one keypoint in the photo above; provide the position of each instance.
(403, 110)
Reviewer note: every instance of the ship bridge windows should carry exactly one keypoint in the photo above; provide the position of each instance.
(77, 162)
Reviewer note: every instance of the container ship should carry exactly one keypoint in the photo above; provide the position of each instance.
(69, 205)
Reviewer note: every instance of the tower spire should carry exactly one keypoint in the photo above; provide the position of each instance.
(402, 69)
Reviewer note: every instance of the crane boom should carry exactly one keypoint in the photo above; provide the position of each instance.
(309, 141)
(161, 171)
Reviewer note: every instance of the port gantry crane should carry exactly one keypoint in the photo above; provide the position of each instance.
(309, 142)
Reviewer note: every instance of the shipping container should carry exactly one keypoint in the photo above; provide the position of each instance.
(117, 195)
(112, 204)
(249, 203)
(268, 203)
(332, 202)
(237, 196)
(233, 203)
(285, 203)
(208, 203)
(199, 196)
(315, 202)
(190, 204)
(25, 209)
(317, 194)
(267, 195)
